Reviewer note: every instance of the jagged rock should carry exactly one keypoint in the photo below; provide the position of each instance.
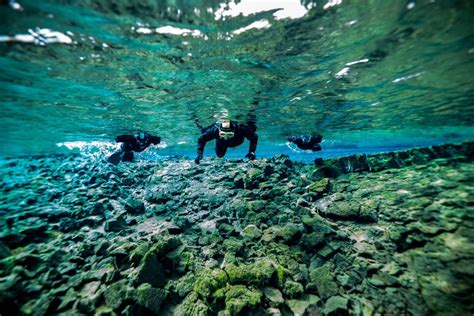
(185, 284)
(116, 224)
(293, 289)
(68, 299)
(151, 269)
(313, 241)
(192, 305)
(300, 306)
(289, 234)
(258, 273)
(116, 293)
(336, 305)
(319, 187)
(323, 280)
(273, 295)
(134, 206)
(252, 232)
(90, 292)
(316, 224)
(209, 282)
(4, 250)
(149, 297)
(37, 306)
(273, 311)
(240, 300)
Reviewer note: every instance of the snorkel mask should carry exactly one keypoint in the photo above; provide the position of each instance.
(225, 129)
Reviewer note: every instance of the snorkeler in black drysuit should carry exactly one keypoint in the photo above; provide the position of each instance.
(227, 134)
(130, 144)
(307, 142)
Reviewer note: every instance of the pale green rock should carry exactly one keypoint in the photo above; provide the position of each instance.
(335, 304)
(299, 307)
(252, 231)
(273, 295)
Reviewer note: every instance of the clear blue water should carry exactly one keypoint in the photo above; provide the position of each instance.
(368, 75)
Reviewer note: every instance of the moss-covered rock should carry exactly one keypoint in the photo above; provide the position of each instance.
(293, 289)
(240, 300)
(252, 232)
(336, 305)
(150, 298)
(116, 293)
(322, 279)
(209, 282)
(258, 273)
(319, 187)
(273, 295)
(289, 234)
(192, 305)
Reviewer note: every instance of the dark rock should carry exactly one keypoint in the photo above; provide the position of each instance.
(68, 299)
(323, 280)
(115, 224)
(312, 241)
(150, 298)
(293, 289)
(134, 206)
(116, 293)
(4, 250)
(151, 269)
(68, 225)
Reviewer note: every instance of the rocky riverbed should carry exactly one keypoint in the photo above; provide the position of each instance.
(390, 234)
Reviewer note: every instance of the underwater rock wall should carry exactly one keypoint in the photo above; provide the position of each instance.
(228, 237)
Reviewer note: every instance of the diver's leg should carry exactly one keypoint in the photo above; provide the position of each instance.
(116, 157)
(221, 149)
(128, 156)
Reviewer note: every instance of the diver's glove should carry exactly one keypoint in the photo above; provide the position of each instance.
(156, 140)
(250, 156)
(198, 159)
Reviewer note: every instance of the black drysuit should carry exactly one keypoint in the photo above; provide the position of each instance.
(307, 142)
(241, 132)
(130, 144)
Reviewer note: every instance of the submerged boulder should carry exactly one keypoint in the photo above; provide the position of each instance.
(240, 299)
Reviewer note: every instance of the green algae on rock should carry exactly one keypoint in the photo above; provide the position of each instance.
(394, 241)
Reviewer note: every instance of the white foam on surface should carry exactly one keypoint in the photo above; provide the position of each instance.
(287, 9)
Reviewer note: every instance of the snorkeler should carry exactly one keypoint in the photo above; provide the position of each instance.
(307, 142)
(227, 134)
(130, 144)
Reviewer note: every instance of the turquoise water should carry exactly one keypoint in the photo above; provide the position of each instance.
(368, 75)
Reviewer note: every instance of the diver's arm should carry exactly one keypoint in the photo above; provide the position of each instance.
(155, 140)
(123, 138)
(253, 139)
(208, 134)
